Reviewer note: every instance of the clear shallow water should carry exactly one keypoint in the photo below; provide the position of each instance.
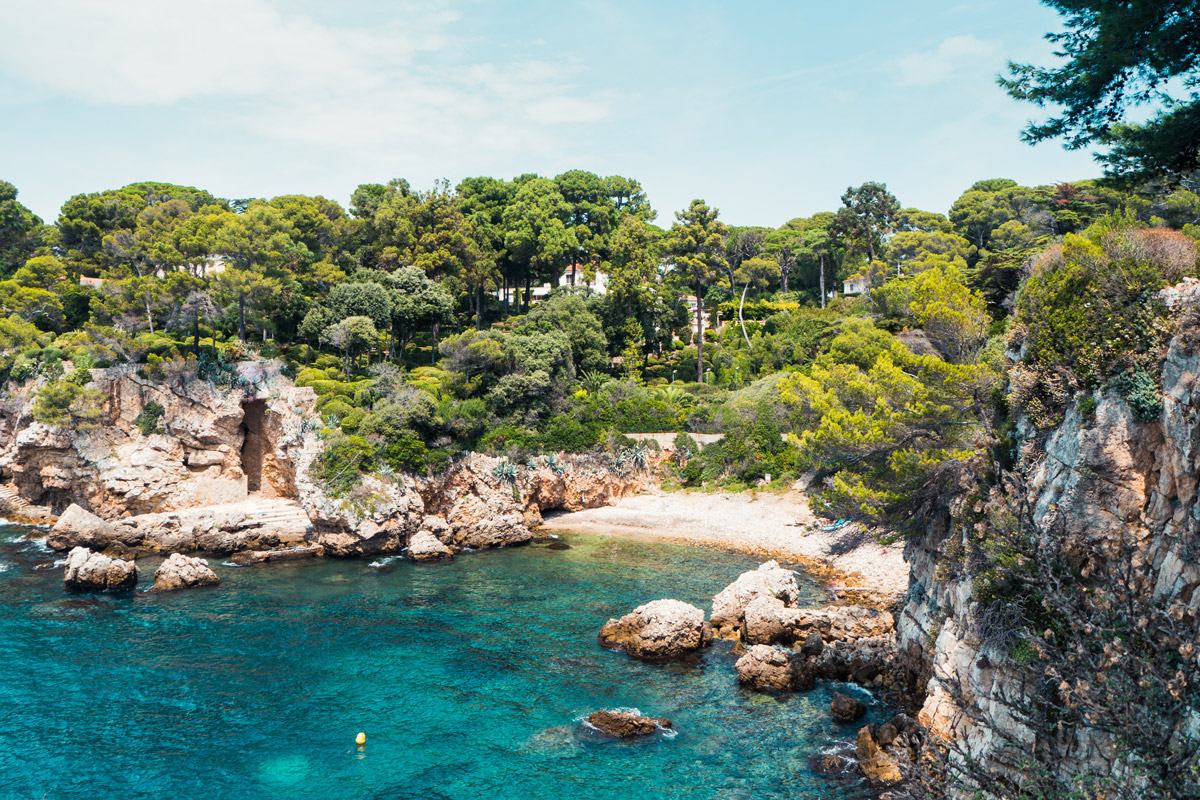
(468, 679)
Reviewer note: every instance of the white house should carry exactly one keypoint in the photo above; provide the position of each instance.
(856, 284)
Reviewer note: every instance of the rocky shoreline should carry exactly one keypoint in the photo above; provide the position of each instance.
(785, 649)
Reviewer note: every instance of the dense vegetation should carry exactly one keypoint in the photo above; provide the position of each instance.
(413, 316)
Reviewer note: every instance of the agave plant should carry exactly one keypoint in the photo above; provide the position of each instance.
(386, 470)
(554, 465)
(639, 457)
(332, 421)
(505, 472)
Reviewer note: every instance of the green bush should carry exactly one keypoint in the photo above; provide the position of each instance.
(80, 377)
(66, 404)
(693, 472)
(502, 437)
(406, 452)
(569, 435)
(352, 421)
(335, 407)
(1141, 393)
(340, 463)
(147, 421)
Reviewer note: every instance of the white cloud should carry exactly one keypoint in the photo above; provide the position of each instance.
(272, 71)
(942, 63)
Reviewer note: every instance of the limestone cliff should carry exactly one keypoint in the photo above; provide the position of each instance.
(1111, 495)
(226, 471)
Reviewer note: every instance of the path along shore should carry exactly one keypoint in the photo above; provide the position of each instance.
(783, 527)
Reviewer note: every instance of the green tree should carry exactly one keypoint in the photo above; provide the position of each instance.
(696, 243)
(868, 213)
(360, 299)
(353, 336)
(21, 231)
(1118, 57)
(536, 235)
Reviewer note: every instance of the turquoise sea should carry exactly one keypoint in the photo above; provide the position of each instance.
(468, 678)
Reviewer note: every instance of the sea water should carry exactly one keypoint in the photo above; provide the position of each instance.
(469, 678)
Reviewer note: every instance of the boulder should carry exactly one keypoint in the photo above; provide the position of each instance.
(626, 724)
(181, 572)
(424, 546)
(813, 646)
(92, 571)
(876, 765)
(769, 580)
(774, 669)
(440, 529)
(78, 527)
(830, 765)
(845, 708)
(658, 630)
(768, 620)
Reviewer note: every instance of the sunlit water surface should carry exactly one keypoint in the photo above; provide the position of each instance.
(468, 678)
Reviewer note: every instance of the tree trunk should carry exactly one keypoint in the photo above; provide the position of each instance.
(196, 331)
(433, 350)
(242, 316)
(479, 307)
(699, 338)
(822, 280)
(528, 283)
(742, 320)
(149, 316)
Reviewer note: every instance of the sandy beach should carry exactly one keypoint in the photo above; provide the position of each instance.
(779, 526)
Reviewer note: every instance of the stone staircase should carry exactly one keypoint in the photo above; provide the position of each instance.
(18, 509)
(286, 518)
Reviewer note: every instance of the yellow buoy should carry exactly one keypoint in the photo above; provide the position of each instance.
(361, 739)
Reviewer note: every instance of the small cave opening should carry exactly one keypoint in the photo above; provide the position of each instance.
(253, 440)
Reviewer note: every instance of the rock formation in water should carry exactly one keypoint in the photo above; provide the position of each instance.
(88, 571)
(768, 581)
(626, 724)
(424, 546)
(181, 572)
(660, 629)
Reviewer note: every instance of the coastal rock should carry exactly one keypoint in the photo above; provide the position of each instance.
(477, 525)
(182, 572)
(440, 529)
(626, 724)
(768, 621)
(78, 527)
(876, 765)
(424, 546)
(831, 765)
(659, 629)
(770, 668)
(92, 571)
(769, 580)
(845, 708)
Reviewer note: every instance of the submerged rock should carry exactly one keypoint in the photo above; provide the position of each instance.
(626, 724)
(769, 580)
(182, 572)
(658, 630)
(845, 708)
(93, 571)
(424, 547)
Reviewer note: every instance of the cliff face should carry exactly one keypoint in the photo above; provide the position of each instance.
(211, 446)
(1104, 484)
(227, 471)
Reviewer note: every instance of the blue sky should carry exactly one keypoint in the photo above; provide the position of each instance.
(768, 110)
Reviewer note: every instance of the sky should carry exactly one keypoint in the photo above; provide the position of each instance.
(767, 110)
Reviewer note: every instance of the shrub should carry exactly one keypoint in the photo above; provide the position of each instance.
(569, 435)
(147, 421)
(80, 377)
(406, 451)
(340, 463)
(1141, 393)
(66, 404)
(335, 407)
(693, 472)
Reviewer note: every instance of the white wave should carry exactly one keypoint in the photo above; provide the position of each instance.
(383, 562)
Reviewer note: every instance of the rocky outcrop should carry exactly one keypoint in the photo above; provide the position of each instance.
(88, 571)
(1105, 488)
(471, 493)
(181, 572)
(768, 581)
(424, 547)
(845, 708)
(766, 620)
(658, 630)
(193, 457)
(627, 724)
(774, 669)
(888, 753)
